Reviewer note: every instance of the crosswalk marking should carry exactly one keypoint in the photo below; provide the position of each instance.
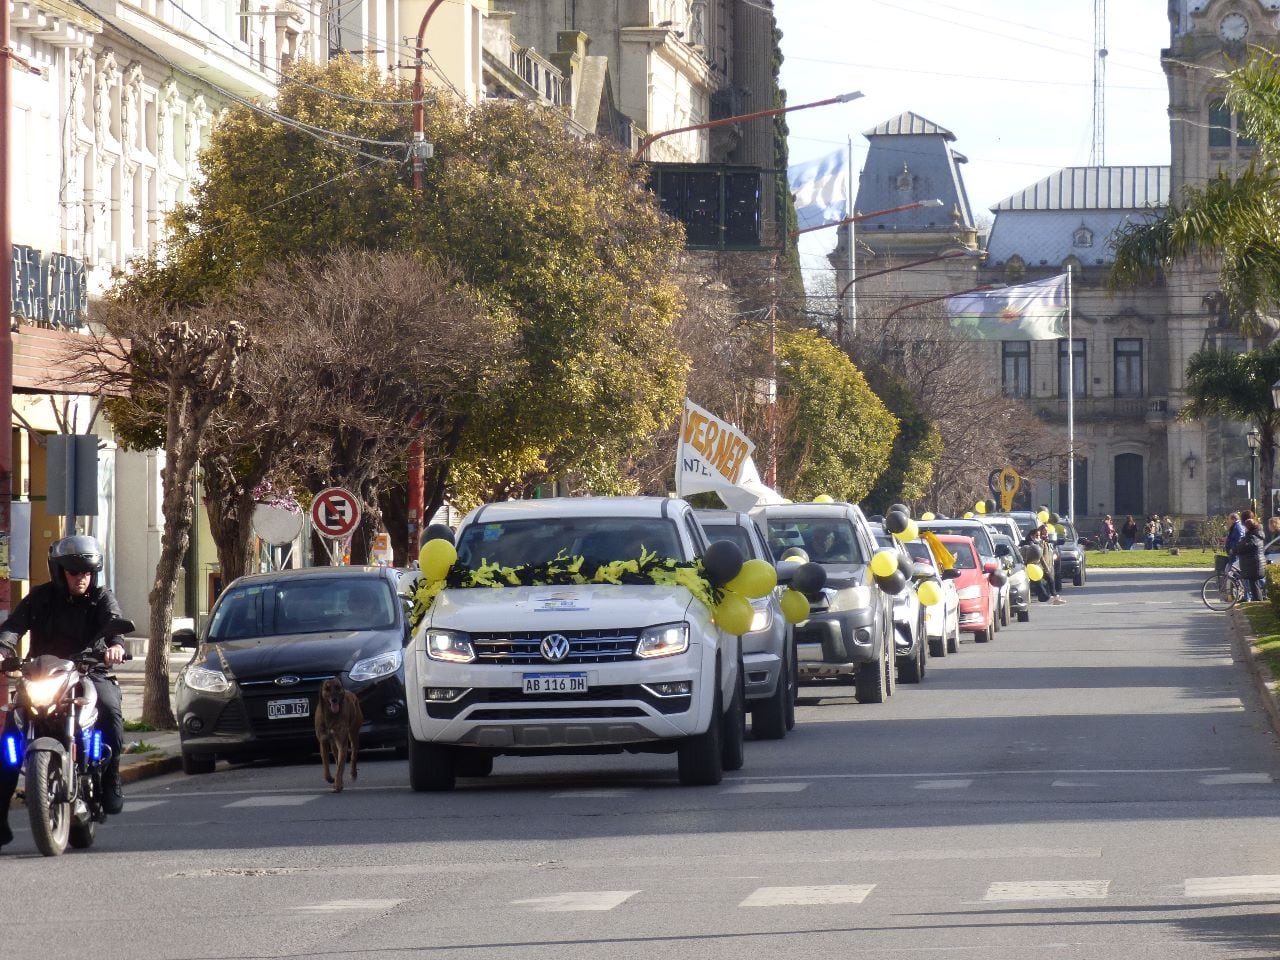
(602, 793)
(1227, 778)
(571, 902)
(342, 906)
(943, 784)
(1263, 885)
(133, 806)
(768, 788)
(1047, 890)
(274, 800)
(808, 896)
(1075, 783)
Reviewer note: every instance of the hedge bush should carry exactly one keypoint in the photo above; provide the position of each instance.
(1273, 586)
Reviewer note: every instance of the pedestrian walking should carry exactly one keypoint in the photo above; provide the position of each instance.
(1128, 533)
(1046, 589)
(1108, 535)
(1168, 531)
(1249, 554)
(1235, 530)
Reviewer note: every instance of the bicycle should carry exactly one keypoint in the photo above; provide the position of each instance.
(1223, 590)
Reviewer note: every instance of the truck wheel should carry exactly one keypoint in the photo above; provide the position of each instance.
(1024, 616)
(732, 748)
(431, 767)
(769, 717)
(195, 764)
(473, 763)
(793, 685)
(871, 684)
(699, 756)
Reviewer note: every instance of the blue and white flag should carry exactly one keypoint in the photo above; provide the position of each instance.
(821, 189)
(1029, 311)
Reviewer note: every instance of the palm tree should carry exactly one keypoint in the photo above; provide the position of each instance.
(1235, 219)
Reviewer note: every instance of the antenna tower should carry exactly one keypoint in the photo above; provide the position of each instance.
(1098, 149)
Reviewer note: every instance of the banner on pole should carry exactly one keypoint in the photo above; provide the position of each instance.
(821, 189)
(714, 456)
(1028, 311)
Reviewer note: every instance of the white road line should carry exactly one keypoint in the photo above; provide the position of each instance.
(1075, 783)
(602, 793)
(1226, 778)
(1047, 890)
(572, 902)
(768, 788)
(954, 774)
(274, 800)
(133, 806)
(942, 784)
(808, 896)
(1256, 886)
(342, 906)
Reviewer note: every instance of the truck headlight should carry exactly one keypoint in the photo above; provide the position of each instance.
(663, 641)
(373, 667)
(206, 680)
(450, 646)
(854, 598)
(762, 618)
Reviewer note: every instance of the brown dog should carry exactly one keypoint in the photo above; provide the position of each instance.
(338, 719)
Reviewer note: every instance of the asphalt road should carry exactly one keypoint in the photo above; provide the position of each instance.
(1099, 783)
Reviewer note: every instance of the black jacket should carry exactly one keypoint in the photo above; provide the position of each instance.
(1252, 559)
(60, 624)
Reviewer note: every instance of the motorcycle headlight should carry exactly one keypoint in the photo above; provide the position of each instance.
(43, 692)
(206, 680)
(450, 646)
(664, 641)
(373, 667)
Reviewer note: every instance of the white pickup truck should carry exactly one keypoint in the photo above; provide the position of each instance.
(578, 668)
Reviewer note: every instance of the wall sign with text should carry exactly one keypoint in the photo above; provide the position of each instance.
(49, 289)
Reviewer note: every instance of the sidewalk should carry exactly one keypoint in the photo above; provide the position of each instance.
(165, 757)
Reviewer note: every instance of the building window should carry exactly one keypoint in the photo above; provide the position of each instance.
(1083, 237)
(1015, 366)
(1078, 365)
(1226, 127)
(1128, 354)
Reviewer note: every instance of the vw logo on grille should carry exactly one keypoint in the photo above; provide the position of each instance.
(287, 681)
(554, 647)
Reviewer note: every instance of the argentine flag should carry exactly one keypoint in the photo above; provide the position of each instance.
(821, 189)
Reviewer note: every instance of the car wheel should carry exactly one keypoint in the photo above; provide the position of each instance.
(1004, 614)
(699, 757)
(938, 646)
(195, 764)
(984, 635)
(1024, 616)
(1078, 579)
(473, 763)
(953, 641)
(793, 694)
(769, 717)
(735, 727)
(871, 682)
(432, 767)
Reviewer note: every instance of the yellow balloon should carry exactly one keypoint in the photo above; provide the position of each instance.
(980, 507)
(968, 514)
(1060, 530)
(1035, 572)
(795, 606)
(756, 579)
(1043, 516)
(734, 613)
(928, 516)
(823, 498)
(911, 533)
(884, 562)
(435, 558)
(929, 593)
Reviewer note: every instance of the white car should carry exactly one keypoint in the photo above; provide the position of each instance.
(942, 620)
(910, 639)
(596, 668)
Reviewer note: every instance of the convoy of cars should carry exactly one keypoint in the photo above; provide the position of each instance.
(635, 664)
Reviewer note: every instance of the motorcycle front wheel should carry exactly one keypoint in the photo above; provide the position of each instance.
(50, 814)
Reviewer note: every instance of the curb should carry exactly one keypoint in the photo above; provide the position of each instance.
(151, 767)
(1242, 648)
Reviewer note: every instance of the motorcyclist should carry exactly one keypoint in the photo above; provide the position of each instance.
(64, 617)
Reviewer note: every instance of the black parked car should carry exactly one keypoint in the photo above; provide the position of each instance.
(272, 639)
(1071, 556)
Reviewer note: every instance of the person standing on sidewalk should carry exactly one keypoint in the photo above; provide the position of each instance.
(64, 617)
(1249, 554)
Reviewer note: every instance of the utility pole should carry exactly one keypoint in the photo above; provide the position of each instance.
(771, 474)
(6, 313)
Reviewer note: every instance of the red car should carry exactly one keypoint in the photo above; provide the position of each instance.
(974, 587)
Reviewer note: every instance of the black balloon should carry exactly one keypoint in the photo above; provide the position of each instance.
(1053, 518)
(895, 521)
(892, 584)
(809, 578)
(900, 508)
(990, 505)
(998, 578)
(1031, 553)
(722, 562)
(906, 565)
(438, 531)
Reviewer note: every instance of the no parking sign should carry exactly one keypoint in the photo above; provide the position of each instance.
(335, 514)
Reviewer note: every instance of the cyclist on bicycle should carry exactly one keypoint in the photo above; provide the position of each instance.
(1249, 555)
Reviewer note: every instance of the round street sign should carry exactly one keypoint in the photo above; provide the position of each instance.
(335, 513)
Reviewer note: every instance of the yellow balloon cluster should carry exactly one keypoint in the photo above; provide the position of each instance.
(823, 498)
(795, 606)
(929, 593)
(436, 558)
(1043, 516)
(1035, 573)
(927, 516)
(968, 514)
(911, 533)
(980, 507)
(884, 563)
(734, 612)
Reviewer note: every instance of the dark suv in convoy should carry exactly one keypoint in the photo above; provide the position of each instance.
(849, 633)
(1071, 558)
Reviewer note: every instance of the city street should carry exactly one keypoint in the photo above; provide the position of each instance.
(1098, 783)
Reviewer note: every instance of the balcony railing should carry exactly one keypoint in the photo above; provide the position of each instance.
(540, 74)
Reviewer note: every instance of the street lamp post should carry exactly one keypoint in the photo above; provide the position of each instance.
(1254, 439)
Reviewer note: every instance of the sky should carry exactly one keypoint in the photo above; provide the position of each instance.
(1012, 81)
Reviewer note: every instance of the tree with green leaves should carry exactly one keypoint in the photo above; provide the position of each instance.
(1227, 383)
(842, 435)
(1234, 218)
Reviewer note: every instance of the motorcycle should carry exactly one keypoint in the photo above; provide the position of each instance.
(56, 743)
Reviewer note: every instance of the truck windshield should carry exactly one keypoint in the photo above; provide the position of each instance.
(514, 543)
(830, 541)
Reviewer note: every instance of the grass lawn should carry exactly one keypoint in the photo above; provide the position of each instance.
(1266, 627)
(1114, 559)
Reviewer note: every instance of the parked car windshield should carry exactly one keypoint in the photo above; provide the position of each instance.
(974, 530)
(965, 559)
(303, 605)
(920, 552)
(734, 533)
(825, 540)
(512, 543)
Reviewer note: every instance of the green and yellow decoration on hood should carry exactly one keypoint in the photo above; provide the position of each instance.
(721, 580)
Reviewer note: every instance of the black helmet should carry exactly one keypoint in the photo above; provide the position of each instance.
(78, 554)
